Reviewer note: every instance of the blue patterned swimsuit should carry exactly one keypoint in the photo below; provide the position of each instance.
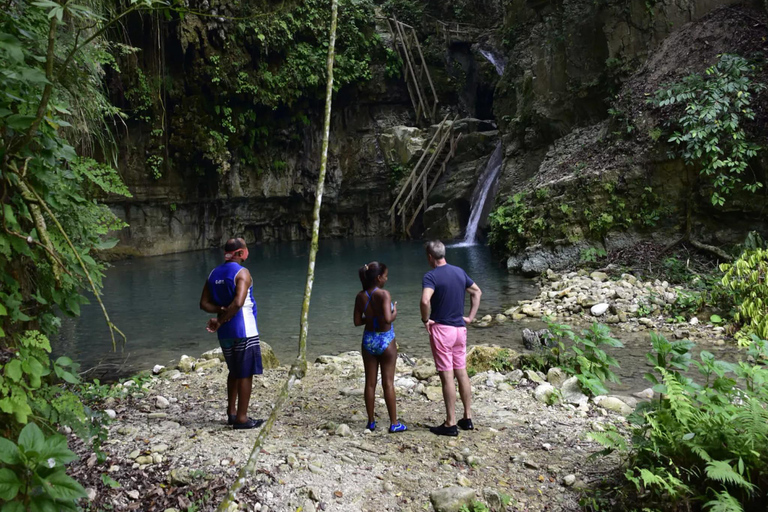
(373, 341)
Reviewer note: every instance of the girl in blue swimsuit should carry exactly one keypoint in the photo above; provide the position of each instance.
(374, 309)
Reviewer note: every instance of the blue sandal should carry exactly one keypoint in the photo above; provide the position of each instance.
(398, 427)
(371, 426)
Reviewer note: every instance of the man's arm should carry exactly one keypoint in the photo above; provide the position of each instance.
(242, 283)
(424, 305)
(206, 301)
(474, 302)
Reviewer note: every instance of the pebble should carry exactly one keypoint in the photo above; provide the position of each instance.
(157, 369)
(569, 480)
(161, 402)
(110, 413)
(598, 309)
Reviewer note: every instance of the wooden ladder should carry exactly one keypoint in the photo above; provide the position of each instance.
(421, 181)
(405, 40)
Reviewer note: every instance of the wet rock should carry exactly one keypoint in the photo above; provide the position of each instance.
(599, 309)
(501, 318)
(533, 340)
(451, 499)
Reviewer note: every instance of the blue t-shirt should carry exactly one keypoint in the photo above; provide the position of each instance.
(221, 284)
(447, 303)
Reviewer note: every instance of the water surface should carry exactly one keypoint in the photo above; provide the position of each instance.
(154, 301)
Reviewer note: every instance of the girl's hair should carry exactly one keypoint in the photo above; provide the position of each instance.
(369, 273)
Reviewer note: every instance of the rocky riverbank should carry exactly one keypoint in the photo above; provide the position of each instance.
(169, 448)
(621, 300)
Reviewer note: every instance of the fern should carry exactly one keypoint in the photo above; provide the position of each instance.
(721, 471)
(724, 502)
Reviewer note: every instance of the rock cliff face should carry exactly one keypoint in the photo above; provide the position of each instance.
(565, 63)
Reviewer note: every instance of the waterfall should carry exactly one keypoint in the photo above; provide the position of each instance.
(498, 62)
(480, 194)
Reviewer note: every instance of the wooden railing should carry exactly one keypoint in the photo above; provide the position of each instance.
(415, 70)
(421, 181)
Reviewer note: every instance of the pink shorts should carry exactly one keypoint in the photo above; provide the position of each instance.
(449, 347)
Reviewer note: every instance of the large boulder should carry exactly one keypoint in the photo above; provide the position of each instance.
(424, 369)
(480, 357)
(268, 358)
(442, 221)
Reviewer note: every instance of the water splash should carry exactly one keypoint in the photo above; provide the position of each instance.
(480, 194)
(497, 61)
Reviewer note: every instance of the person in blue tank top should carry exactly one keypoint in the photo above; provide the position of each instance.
(228, 292)
(374, 309)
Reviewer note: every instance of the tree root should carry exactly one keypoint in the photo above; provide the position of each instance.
(711, 249)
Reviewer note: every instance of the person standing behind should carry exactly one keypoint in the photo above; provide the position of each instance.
(374, 309)
(228, 292)
(442, 312)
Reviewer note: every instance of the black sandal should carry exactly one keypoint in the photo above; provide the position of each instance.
(251, 423)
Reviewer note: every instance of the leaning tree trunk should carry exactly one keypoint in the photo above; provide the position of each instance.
(299, 366)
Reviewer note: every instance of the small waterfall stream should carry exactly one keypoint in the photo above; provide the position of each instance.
(485, 183)
(480, 194)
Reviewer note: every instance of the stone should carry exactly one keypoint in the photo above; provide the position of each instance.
(646, 322)
(216, 353)
(571, 391)
(480, 357)
(157, 369)
(343, 430)
(91, 492)
(157, 458)
(161, 402)
(111, 414)
(157, 415)
(693, 321)
(534, 376)
(556, 376)
(144, 459)
(486, 318)
(425, 370)
(533, 340)
(207, 364)
(494, 379)
(501, 318)
(434, 393)
(134, 454)
(610, 403)
(186, 364)
(269, 360)
(451, 499)
(569, 480)
(308, 506)
(463, 481)
(646, 394)
(515, 375)
(173, 375)
(543, 392)
(599, 276)
(493, 499)
(599, 309)
(181, 476)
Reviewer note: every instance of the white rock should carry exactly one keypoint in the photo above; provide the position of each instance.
(501, 318)
(157, 369)
(646, 394)
(599, 309)
(571, 391)
(91, 492)
(543, 392)
(110, 413)
(216, 353)
(612, 403)
(161, 402)
(694, 321)
(555, 376)
(343, 430)
(569, 480)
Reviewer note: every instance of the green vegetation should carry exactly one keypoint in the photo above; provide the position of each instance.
(699, 445)
(747, 279)
(33, 476)
(710, 130)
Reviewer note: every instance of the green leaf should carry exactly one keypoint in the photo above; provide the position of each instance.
(9, 484)
(106, 244)
(13, 370)
(62, 487)
(64, 361)
(55, 447)
(3, 311)
(715, 319)
(9, 452)
(31, 438)
(13, 506)
(19, 122)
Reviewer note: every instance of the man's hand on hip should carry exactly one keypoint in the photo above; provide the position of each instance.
(468, 320)
(428, 324)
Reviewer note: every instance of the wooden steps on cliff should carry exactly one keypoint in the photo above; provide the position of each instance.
(413, 196)
(415, 70)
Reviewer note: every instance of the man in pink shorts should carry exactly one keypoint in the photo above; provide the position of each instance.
(442, 311)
